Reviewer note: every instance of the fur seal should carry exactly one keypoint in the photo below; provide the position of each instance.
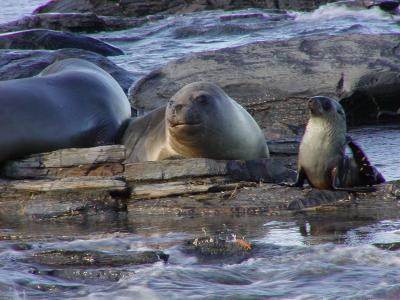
(200, 120)
(71, 103)
(322, 160)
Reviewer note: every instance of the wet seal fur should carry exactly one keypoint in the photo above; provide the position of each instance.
(200, 120)
(71, 104)
(322, 160)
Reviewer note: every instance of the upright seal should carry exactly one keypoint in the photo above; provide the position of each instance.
(71, 103)
(322, 160)
(200, 120)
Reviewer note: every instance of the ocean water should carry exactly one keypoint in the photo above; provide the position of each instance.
(314, 256)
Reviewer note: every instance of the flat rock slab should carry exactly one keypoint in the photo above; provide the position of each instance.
(270, 199)
(187, 187)
(96, 258)
(143, 7)
(96, 161)
(74, 22)
(27, 63)
(274, 79)
(52, 40)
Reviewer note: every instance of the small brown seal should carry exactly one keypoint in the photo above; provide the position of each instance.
(322, 160)
(200, 120)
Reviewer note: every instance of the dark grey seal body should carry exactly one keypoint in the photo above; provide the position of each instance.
(51, 39)
(200, 120)
(71, 103)
(322, 160)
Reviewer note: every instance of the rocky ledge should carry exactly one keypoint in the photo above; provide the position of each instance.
(73, 182)
(138, 8)
(274, 79)
(26, 63)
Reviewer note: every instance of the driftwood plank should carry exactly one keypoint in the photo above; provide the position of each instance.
(110, 184)
(177, 188)
(96, 161)
(173, 169)
(267, 170)
(72, 157)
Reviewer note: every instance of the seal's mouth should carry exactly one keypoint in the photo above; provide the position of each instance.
(182, 124)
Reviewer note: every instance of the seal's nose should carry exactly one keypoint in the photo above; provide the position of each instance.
(311, 102)
(177, 108)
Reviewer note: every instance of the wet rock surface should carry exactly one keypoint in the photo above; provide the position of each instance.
(96, 258)
(73, 22)
(220, 247)
(52, 40)
(273, 80)
(79, 182)
(19, 63)
(142, 7)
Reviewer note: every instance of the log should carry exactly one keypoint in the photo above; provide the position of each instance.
(174, 169)
(188, 187)
(67, 184)
(267, 170)
(96, 161)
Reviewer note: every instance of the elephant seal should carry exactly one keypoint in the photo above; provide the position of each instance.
(71, 103)
(322, 160)
(200, 120)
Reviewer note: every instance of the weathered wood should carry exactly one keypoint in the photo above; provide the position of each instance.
(60, 197)
(188, 187)
(67, 184)
(267, 170)
(174, 169)
(96, 161)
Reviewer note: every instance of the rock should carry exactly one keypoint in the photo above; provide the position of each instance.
(43, 199)
(96, 258)
(225, 248)
(53, 40)
(274, 79)
(75, 22)
(388, 246)
(266, 170)
(96, 161)
(84, 275)
(137, 8)
(19, 64)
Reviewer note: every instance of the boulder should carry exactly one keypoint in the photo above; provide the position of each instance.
(96, 258)
(74, 22)
(19, 64)
(274, 79)
(52, 40)
(137, 8)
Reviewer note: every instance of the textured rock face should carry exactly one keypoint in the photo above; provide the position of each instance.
(19, 64)
(139, 8)
(273, 80)
(52, 40)
(74, 22)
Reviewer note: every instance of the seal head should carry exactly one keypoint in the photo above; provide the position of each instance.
(203, 121)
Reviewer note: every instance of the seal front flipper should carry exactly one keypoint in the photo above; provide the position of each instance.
(301, 176)
(335, 187)
(368, 174)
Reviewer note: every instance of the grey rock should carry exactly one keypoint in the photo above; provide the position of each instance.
(19, 64)
(96, 258)
(142, 7)
(273, 80)
(75, 22)
(52, 40)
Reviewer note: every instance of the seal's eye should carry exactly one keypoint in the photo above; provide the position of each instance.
(326, 105)
(340, 112)
(202, 99)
